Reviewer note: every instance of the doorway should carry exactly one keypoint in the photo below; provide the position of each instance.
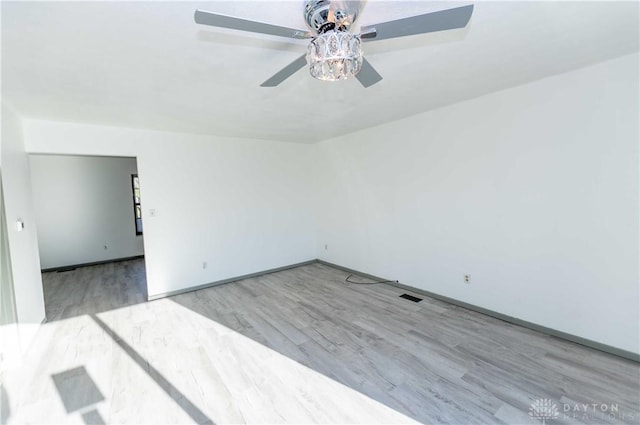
(90, 234)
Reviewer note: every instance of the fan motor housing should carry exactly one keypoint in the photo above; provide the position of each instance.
(319, 17)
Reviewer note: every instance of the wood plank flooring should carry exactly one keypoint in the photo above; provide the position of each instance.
(298, 346)
(94, 289)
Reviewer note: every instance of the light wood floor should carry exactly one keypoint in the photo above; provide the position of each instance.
(298, 346)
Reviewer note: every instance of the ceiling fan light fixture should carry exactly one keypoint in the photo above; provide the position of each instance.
(334, 55)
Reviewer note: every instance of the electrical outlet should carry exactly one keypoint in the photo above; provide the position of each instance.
(204, 264)
(467, 278)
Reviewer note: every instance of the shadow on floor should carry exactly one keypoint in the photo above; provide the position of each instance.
(76, 389)
(79, 392)
(94, 289)
(185, 404)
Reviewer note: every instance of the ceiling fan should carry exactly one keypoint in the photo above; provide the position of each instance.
(335, 53)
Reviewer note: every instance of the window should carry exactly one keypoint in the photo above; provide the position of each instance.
(137, 210)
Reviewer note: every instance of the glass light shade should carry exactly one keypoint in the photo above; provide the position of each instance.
(334, 55)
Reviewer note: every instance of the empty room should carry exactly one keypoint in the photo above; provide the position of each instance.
(320, 211)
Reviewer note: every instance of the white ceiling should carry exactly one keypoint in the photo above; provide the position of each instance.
(148, 65)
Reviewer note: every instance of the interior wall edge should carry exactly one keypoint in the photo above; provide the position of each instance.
(23, 243)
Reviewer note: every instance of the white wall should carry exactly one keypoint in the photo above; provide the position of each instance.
(533, 191)
(25, 262)
(82, 204)
(240, 205)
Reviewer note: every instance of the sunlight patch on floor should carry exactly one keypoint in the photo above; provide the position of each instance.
(160, 362)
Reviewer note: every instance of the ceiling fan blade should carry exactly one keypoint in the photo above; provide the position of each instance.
(368, 76)
(285, 72)
(420, 24)
(224, 21)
